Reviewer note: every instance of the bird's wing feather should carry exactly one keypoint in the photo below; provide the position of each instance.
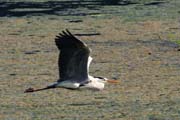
(73, 58)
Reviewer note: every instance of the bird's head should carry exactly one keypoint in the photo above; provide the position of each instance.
(105, 80)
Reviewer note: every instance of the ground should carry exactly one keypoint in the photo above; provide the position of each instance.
(136, 43)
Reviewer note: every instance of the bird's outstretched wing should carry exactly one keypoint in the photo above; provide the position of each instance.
(73, 58)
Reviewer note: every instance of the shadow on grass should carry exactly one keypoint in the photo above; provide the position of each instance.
(60, 8)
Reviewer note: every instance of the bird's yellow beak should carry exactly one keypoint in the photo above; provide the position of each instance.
(113, 81)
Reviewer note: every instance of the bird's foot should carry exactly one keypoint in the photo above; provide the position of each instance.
(29, 90)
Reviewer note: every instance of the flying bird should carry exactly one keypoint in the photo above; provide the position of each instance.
(74, 61)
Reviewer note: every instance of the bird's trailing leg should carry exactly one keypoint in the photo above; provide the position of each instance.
(40, 89)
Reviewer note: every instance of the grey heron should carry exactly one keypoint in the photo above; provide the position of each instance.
(74, 61)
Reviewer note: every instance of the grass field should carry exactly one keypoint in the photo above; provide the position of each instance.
(139, 45)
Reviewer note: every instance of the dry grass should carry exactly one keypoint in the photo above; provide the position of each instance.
(143, 55)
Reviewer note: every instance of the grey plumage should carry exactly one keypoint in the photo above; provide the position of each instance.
(73, 58)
